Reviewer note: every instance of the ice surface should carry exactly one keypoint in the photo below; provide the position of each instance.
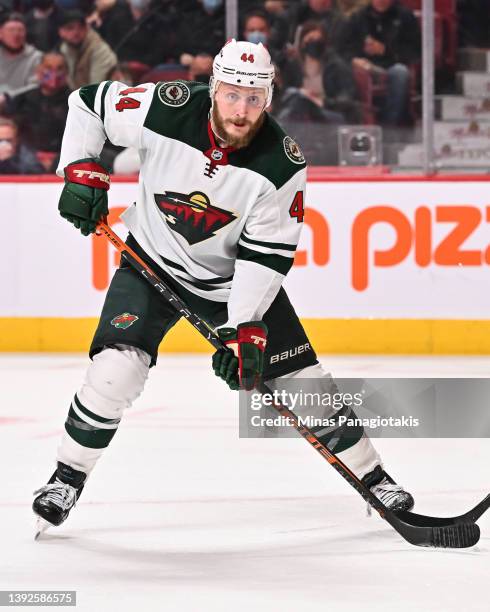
(182, 515)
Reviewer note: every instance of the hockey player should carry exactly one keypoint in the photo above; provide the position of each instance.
(218, 215)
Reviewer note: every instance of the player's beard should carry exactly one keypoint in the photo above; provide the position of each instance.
(237, 142)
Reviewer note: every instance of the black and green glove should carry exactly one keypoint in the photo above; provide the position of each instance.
(83, 200)
(241, 364)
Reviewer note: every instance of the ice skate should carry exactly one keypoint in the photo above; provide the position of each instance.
(54, 500)
(393, 496)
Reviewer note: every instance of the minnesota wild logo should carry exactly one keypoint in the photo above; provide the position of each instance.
(124, 320)
(192, 215)
(293, 151)
(174, 93)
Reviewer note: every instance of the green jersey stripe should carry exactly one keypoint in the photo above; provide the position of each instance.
(207, 281)
(102, 100)
(274, 262)
(270, 245)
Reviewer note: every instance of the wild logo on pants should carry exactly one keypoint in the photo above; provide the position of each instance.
(124, 320)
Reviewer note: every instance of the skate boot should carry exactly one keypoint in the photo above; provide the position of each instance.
(55, 499)
(393, 496)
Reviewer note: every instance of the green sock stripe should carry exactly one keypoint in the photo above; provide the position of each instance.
(344, 437)
(85, 434)
(94, 416)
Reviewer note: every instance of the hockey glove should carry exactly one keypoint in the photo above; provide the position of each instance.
(241, 364)
(83, 200)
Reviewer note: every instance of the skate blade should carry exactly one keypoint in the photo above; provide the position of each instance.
(41, 527)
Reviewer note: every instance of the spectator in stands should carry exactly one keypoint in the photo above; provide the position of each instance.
(256, 27)
(41, 24)
(324, 12)
(15, 158)
(202, 30)
(88, 57)
(384, 37)
(324, 89)
(18, 60)
(138, 30)
(269, 29)
(201, 68)
(41, 112)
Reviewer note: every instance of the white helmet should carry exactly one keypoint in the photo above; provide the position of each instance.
(243, 63)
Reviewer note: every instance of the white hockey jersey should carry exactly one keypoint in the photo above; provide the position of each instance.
(224, 223)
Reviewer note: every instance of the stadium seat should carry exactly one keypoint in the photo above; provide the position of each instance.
(137, 70)
(166, 72)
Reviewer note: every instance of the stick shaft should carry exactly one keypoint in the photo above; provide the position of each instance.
(142, 267)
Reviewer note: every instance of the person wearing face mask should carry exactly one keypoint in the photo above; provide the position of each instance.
(18, 60)
(257, 29)
(322, 86)
(269, 29)
(139, 31)
(323, 12)
(48, 103)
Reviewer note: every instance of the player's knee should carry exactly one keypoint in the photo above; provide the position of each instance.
(114, 379)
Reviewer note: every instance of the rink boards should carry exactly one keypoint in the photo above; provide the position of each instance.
(398, 264)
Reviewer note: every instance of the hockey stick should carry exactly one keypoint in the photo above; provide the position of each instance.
(418, 529)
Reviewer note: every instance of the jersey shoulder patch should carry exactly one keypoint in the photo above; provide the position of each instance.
(178, 93)
(177, 108)
(174, 93)
(292, 150)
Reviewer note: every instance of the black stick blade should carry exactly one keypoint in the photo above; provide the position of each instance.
(461, 535)
(421, 530)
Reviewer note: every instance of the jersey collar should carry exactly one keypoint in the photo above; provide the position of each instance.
(218, 156)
